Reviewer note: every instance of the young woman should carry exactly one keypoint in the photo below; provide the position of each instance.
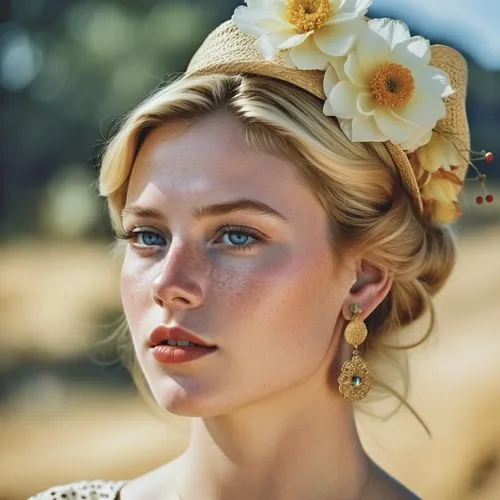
(283, 210)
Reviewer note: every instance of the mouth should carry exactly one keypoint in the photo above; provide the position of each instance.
(177, 351)
(176, 336)
(182, 343)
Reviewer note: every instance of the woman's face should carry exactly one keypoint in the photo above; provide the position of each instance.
(265, 292)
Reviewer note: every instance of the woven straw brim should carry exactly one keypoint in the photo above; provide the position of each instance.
(229, 51)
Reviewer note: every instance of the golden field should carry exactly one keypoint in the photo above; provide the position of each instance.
(57, 300)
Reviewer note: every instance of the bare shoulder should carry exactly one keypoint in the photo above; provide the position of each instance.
(382, 486)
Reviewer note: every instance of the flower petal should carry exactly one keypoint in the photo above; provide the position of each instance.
(260, 18)
(432, 156)
(391, 30)
(454, 157)
(338, 63)
(438, 153)
(268, 45)
(360, 7)
(444, 213)
(245, 19)
(395, 129)
(308, 56)
(343, 100)
(354, 70)
(257, 4)
(334, 73)
(274, 8)
(423, 109)
(415, 50)
(440, 189)
(429, 161)
(372, 50)
(346, 127)
(272, 24)
(294, 40)
(336, 40)
(341, 18)
(328, 109)
(365, 129)
(285, 58)
(433, 80)
(418, 139)
(366, 104)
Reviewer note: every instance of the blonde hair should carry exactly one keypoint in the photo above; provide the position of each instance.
(357, 184)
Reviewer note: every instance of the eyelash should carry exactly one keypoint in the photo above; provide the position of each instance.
(131, 235)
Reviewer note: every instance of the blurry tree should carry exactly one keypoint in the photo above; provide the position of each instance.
(69, 69)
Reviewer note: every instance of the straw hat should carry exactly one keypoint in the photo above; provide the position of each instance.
(227, 50)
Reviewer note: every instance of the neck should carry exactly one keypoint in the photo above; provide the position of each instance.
(299, 445)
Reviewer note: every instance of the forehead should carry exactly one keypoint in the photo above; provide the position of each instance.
(209, 158)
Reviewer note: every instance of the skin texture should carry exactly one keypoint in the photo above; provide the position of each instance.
(268, 420)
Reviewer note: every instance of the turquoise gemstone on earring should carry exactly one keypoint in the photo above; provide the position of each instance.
(356, 380)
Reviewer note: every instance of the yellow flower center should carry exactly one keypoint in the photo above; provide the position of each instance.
(392, 85)
(309, 15)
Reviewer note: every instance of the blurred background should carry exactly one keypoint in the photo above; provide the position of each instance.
(69, 69)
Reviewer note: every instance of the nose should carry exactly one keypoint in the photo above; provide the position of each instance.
(180, 281)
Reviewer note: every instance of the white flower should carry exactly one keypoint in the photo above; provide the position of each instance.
(308, 30)
(385, 90)
(438, 153)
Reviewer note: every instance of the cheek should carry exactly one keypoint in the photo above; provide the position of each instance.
(288, 307)
(135, 292)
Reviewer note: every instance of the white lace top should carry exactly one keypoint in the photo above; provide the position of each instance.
(82, 490)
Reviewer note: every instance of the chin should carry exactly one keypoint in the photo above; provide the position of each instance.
(187, 399)
(190, 407)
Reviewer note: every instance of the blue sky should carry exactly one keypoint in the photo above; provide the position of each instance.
(472, 26)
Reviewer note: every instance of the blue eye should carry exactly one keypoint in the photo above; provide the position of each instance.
(233, 237)
(239, 237)
(149, 238)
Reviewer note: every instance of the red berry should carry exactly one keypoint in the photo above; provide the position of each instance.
(479, 200)
(489, 156)
(489, 198)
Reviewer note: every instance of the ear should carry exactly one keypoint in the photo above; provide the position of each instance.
(370, 288)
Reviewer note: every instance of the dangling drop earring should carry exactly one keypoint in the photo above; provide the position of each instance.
(355, 379)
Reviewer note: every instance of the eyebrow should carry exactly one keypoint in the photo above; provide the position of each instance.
(213, 209)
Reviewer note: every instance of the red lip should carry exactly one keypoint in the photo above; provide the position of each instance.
(162, 333)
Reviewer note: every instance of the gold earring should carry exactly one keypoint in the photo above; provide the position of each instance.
(355, 379)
